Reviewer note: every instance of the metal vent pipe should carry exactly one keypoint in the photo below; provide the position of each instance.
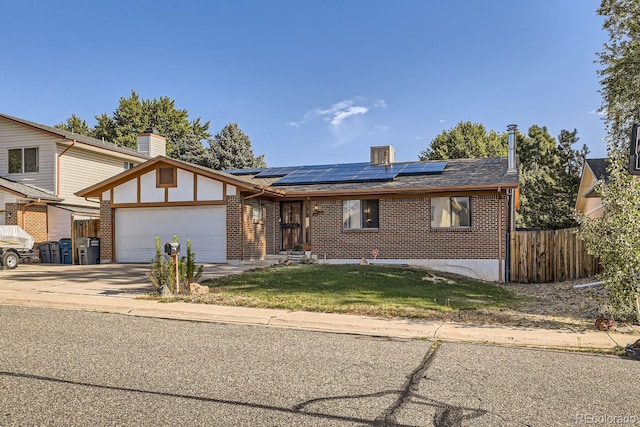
(512, 148)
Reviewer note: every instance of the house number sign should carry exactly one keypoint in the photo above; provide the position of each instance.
(374, 253)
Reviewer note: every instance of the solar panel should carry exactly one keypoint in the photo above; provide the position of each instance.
(345, 172)
(422, 168)
(276, 172)
(360, 172)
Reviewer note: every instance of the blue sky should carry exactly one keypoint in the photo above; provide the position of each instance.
(313, 82)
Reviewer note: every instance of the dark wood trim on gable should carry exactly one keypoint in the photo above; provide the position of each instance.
(168, 204)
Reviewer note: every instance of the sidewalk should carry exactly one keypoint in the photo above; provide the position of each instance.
(113, 288)
(406, 328)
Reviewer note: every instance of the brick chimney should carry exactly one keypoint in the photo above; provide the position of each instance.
(383, 155)
(151, 143)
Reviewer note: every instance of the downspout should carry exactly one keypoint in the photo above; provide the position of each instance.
(24, 210)
(499, 235)
(242, 199)
(58, 166)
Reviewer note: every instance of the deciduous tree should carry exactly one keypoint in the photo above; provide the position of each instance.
(615, 236)
(466, 141)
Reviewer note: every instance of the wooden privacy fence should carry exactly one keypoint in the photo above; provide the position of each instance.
(542, 256)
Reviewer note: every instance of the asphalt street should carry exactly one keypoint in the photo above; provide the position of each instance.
(60, 367)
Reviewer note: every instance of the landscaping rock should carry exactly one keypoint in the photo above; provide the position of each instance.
(197, 289)
(164, 291)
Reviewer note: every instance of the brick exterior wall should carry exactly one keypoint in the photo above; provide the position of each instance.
(106, 232)
(234, 228)
(35, 220)
(259, 235)
(405, 233)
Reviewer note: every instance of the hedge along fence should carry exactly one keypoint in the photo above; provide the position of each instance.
(542, 256)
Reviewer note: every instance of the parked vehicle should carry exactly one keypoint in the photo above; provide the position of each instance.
(15, 244)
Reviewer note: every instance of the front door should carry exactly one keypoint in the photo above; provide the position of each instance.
(291, 224)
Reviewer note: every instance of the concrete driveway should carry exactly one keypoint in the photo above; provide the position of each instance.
(125, 280)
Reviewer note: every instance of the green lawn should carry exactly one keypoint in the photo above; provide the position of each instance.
(372, 290)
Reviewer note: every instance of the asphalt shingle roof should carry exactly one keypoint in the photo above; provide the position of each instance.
(27, 191)
(77, 137)
(599, 168)
(459, 174)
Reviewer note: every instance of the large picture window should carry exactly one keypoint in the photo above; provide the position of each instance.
(450, 212)
(23, 160)
(357, 214)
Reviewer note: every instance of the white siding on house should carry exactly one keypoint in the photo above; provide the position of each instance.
(209, 189)
(81, 168)
(184, 191)
(106, 195)
(15, 136)
(231, 190)
(58, 223)
(150, 193)
(126, 193)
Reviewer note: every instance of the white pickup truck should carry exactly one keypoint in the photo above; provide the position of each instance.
(15, 244)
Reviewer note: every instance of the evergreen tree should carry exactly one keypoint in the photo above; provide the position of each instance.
(76, 125)
(231, 149)
(549, 179)
(190, 149)
(615, 236)
(135, 115)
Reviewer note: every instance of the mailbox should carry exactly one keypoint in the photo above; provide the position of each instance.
(172, 248)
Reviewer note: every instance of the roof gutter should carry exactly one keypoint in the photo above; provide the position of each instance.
(58, 166)
(415, 190)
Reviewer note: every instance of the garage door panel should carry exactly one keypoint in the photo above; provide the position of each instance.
(137, 228)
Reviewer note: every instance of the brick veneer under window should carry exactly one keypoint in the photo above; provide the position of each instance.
(405, 232)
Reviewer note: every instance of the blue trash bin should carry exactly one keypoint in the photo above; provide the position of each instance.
(66, 251)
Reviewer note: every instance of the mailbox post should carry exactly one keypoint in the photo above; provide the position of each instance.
(173, 249)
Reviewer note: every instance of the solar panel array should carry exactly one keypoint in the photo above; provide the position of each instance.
(348, 172)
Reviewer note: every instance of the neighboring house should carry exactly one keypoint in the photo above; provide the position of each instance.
(589, 202)
(452, 216)
(42, 167)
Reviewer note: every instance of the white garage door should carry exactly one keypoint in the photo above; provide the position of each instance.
(137, 228)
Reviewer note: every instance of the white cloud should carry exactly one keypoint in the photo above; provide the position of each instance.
(337, 113)
(441, 120)
(340, 116)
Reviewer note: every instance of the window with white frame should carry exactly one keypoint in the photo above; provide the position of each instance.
(128, 165)
(23, 160)
(358, 214)
(450, 212)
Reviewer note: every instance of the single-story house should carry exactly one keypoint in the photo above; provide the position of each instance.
(451, 215)
(588, 201)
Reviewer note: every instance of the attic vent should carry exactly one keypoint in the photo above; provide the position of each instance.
(383, 155)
